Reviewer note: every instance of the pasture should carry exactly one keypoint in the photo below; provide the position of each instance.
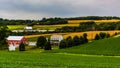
(56, 60)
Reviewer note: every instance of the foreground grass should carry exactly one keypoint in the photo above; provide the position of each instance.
(55, 60)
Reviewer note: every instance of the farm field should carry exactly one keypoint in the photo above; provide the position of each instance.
(97, 21)
(56, 60)
(53, 27)
(41, 27)
(91, 34)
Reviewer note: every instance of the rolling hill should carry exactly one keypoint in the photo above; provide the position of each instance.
(108, 46)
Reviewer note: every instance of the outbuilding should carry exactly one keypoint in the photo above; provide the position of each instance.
(55, 39)
(16, 40)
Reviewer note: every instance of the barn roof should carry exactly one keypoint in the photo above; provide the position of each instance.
(15, 37)
(56, 36)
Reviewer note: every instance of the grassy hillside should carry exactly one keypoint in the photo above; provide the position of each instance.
(55, 60)
(108, 46)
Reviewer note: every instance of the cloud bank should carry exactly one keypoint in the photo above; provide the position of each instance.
(37, 9)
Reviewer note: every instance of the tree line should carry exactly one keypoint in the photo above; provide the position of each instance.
(53, 21)
(75, 41)
(44, 21)
(94, 18)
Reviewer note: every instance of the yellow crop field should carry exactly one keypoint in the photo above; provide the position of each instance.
(91, 34)
(98, 21)
(34, 36)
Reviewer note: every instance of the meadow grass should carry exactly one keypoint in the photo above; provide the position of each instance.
(55, 60)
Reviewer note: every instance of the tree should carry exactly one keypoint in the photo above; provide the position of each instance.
(107, 35)
(69, 42)
(102, 35)
(85, 38)
(4, 32)
(63, 44)
(97, 37)
(21, 47)
(48, 46)
(81, 40)
(76, 40)
(69, 37)
(41, 42)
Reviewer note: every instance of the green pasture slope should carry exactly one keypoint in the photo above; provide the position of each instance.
(96, 54)
(108, 46)
(55, 60)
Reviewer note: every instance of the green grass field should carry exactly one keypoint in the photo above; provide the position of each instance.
(56, 60)
(96, 54)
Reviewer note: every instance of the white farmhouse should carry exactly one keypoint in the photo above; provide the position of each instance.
(55, 39)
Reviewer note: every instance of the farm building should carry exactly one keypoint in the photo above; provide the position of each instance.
(28, 28)
(55, 39)
(15, 41)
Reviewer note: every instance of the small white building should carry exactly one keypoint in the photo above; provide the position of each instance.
(55, 39)
(28, 28)
(32, 43)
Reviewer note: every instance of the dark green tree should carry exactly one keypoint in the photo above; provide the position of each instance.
(85, 38)
(76, 40)
(21, 47)
(41, 42)
(69, 37)
(107, 35)
(62, 44)
(69, 42)
(102, 35)
(4, 32)
(48, 46)
(81, 40)
(97, 37)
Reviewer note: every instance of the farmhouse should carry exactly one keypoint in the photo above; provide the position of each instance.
(55, 39)
(15, 41)
(28, 28)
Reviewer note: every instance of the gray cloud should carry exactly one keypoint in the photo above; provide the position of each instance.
(36, 9)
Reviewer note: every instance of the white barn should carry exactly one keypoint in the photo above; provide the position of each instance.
(55, 39)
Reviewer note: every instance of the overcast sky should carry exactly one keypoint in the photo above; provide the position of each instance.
(37, 9)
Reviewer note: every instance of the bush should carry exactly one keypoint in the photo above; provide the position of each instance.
(41, 42)
(102, 35)
(47, 46)
(85, 38)
(76, 40)
(97, 37)
(63, 44)
(21, 47)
